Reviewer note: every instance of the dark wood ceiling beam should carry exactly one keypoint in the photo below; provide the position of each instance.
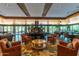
(47, 6)
(23, 8)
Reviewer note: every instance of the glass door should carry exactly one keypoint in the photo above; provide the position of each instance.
(18, 31)
(51, 29)
(63, 28)
(44, 27)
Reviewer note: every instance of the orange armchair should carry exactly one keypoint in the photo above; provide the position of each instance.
(14, 51)
(52, 38)
(26, 38)
(64, 51)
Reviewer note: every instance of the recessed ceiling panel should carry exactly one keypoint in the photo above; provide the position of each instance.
(35, 9)
(10, 9)
(62, 9)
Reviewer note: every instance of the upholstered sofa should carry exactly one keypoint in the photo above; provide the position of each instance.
(15, 50)
(65, 51)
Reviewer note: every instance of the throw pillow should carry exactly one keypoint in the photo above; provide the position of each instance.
(69, 45)
(9, 44)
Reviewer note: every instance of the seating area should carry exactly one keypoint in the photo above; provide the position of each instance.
(54, 46)
(31, 30)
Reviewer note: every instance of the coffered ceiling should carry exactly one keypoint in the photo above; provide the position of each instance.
(38, 9)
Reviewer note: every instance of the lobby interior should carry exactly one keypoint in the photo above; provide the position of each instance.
(39, 29)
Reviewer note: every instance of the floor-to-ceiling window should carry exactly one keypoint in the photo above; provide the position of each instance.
(63, 28)
(17, 30)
